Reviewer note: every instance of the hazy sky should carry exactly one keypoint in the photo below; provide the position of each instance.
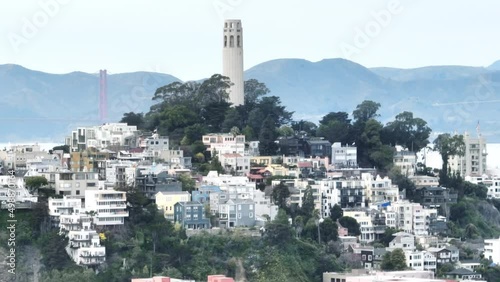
(184, 37)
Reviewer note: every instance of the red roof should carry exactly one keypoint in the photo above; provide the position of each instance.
(255, 176)
(304, 164)
(136, 150)
(232, 155)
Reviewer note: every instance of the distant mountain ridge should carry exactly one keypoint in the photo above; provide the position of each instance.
(43, 106)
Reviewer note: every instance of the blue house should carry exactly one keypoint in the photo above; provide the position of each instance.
(191, 215)
(202, 195)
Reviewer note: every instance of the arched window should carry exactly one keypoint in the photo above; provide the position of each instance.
(231, 41)
(238, 41)
(225, 40)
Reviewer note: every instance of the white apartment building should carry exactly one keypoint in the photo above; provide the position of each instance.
(264, 206)
(344, 156)
(412, 217)
(391, 218)
(405, 160)
(347, 193)
(18, 158)
(235, 163)
(402, 240)
(64, 206)
(224, 143)
(74, 184)
(85, 248)
(379, 190)
(330, 196)
(103, 136)
(492, 250)
(420, 260)
(77, 224)
(253, 148)
(118, 173)
(110, 206)
(422, 181)
(366, 225)
(473, 162)
(40, 165)
(225, 180)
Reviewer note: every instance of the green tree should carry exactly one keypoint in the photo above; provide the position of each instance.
(268, 107)
(254, 90)
(194, 133)
(308, 205)
(351, 224)
(444, 268)
(280, 195)
(285, 130)
(336, 213)
(214, 114)
(336, 127)
(54, 256)
(388, 236)
(267, 138)
(387, 262)
(279, 231)
(132, 118)
(188, 183)
(64, 148)
(215, 165)
(471, 231)
(448, 146)
(366, 110)
(305, 126)
(35, 182)
(393, 261)
(248, 132)
(329, 230)
(410, 132)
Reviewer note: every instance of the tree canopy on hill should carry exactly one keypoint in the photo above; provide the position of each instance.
(186, 111)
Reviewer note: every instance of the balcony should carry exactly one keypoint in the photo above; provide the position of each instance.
(93, 255)
(111, 214)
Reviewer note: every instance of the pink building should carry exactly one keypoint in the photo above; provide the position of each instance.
(342, 231)
(154, 279)
(219, 278)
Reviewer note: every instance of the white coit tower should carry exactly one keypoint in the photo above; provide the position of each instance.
(233, 60)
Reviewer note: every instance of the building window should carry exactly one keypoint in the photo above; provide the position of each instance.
(231, 41)
(239, 215)
(78, 192)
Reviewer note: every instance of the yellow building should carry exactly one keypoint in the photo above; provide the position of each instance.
(277, 169)
(261, 160)
(87, 160)
(166, 201)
